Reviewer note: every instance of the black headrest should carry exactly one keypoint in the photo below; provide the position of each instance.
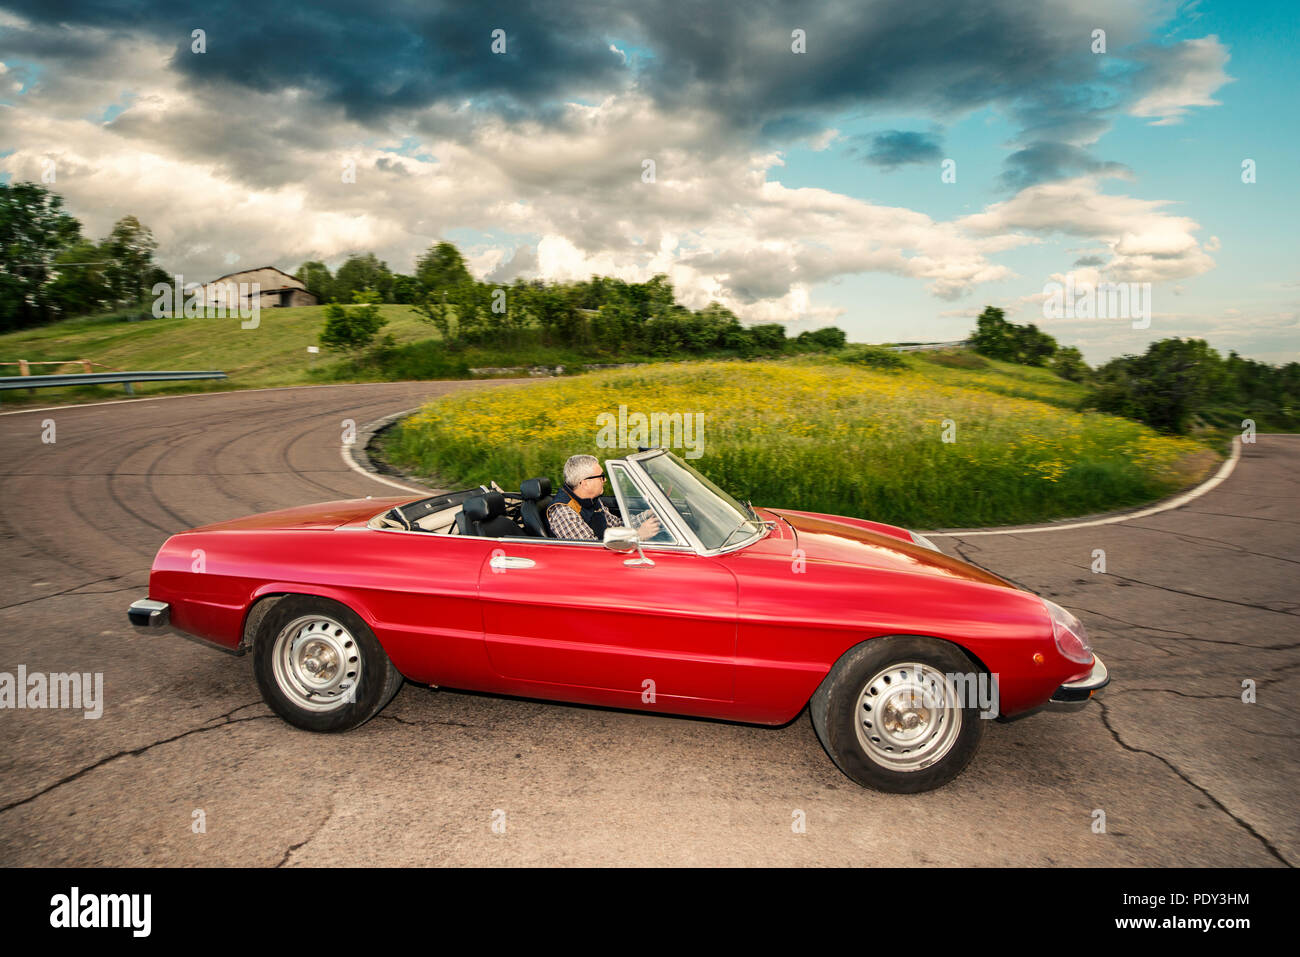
(482, 507)
(534, 489)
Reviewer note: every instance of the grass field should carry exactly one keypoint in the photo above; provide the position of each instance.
(825, 435)
(273, 354)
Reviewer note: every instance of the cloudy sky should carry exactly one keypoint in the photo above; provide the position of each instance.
(806, 187)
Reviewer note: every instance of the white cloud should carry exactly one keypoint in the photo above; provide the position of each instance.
(1180, 77)
(1146, 244)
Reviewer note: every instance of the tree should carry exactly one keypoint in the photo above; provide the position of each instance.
(34, 230)
(998, 339)
(1164, 387)
(406, 289)
(130, 272)
(555, 312)
(769, 336)
(316, 277)
(473, 300)
(360, 273)
(1033, 347)
(660, 296)
(1068, 364)
(613, 326)
(351, 330)
(434, 309)
(830, 337)
(994, 336)
(80, 285)
(441, 269)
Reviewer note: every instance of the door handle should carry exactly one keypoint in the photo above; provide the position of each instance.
(507, 561)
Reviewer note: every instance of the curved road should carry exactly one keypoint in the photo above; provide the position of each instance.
(186, 766)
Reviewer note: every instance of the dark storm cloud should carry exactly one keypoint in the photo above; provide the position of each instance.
(736, 56)
(894, 148)
(1090, 261)
(1041, 162)
(735, 60)
(365, 58)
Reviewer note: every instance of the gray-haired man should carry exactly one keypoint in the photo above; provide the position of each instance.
(578, 513)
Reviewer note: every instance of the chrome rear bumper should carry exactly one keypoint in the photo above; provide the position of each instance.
(1073, 695)
(147, 613)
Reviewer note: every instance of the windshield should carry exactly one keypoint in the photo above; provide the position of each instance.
(717, 518)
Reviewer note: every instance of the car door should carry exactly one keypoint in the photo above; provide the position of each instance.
(577, 614)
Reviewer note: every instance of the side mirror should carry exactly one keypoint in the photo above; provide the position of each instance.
(622, 539)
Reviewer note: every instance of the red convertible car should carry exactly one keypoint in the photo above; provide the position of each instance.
(900, 653)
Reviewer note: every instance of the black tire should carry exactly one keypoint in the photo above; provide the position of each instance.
(345, 642)
(940, 755)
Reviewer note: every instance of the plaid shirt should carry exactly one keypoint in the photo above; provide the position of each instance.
(566, 523)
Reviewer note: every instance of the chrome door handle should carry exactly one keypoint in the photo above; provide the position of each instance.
(506, 561)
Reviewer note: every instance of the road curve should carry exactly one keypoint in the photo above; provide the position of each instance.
(188, 767)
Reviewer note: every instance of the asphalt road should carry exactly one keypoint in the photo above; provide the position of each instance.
(1193, 602)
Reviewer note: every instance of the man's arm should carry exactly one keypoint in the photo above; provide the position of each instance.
(638, 521)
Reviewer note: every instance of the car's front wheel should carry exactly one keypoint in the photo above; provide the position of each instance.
(896, 714)
(320, 667)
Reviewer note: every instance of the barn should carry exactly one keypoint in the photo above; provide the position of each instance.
(274, 288)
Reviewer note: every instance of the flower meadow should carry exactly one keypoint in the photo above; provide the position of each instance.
(819, 435)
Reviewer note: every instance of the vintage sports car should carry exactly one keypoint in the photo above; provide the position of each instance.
(899, 652)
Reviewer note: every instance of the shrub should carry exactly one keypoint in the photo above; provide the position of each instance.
(351, 330)
(872, 356)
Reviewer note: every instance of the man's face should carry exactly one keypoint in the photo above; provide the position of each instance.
(592, 486)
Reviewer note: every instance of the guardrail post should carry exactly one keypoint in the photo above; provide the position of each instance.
(129, 389)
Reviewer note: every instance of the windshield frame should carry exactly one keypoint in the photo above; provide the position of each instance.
(661, 501)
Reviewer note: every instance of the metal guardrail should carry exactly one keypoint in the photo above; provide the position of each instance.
(99, 378)
(929, 346)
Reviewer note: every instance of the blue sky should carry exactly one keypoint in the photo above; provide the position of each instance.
(795, 187)
(1195, 164)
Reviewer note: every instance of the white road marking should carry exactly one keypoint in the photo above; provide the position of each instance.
(369, 427)
(1209, 484)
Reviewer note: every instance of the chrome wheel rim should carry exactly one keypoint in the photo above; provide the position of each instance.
(317, 663)
(908, 716)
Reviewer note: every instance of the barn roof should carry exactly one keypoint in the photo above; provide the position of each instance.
(258, 269)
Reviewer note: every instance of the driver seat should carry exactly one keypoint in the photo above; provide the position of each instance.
(537, 497)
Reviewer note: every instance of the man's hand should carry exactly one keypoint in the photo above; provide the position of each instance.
(648, 528)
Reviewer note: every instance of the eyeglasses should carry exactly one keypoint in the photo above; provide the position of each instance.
(601, 476)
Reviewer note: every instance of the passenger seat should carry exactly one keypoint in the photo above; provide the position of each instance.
(485, 515)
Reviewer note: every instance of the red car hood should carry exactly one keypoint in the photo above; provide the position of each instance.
(836, 540)
(324, 515)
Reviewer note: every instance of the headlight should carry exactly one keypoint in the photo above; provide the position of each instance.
(1071, 637)
(923, 541)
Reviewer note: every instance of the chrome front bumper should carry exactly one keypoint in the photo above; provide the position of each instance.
(147, 613)
(1073, 695)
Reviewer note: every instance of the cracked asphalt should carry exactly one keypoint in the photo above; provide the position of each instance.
(1193, 602)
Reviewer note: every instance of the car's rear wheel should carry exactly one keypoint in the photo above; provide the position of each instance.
(320, 667)
(891, 715)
